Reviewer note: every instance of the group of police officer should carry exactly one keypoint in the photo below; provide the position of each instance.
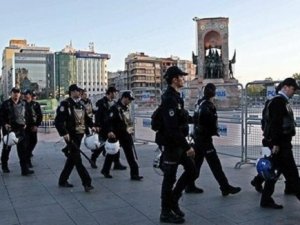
(74, 119)
(22, 115)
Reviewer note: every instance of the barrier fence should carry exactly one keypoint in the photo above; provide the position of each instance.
(239, 112)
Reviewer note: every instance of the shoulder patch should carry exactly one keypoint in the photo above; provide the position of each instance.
(171, 112)
(111, 114)
(62, 108)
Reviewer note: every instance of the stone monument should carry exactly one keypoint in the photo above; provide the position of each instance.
(212, 57)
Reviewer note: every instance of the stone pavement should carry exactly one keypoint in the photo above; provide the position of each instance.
(37, 200)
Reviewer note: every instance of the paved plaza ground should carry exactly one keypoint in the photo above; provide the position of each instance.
(37, 199)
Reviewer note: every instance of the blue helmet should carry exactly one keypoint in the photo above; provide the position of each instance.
(265, 168)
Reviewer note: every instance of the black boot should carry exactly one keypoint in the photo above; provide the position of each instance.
(193, 189)
(119, 166)
(167, 216)
(5, 168)
(230, 190)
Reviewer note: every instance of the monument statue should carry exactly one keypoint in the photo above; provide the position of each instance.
(213, 64)
(232, 61)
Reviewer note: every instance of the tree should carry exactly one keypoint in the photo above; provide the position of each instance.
(296, 76)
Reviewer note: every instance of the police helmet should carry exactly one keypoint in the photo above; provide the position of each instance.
(112, 146)
(92, 141)
(10, 139)
(265, 168)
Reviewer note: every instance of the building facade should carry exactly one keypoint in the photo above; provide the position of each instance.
(27, 66)
(34, 70)
(7, 65)
(92, 71)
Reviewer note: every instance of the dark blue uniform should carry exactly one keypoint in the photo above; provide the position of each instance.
(118, 123)
(205, 127)
(175, 146)
(71, 118)
(279, 130)
(14, 114)
(34, 120)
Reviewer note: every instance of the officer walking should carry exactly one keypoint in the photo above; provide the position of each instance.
(206, 126)
(101, 121)
(13, 114)
(279, 130)
(70, 121)
(120, 127)
(34, 120)
(176, 149)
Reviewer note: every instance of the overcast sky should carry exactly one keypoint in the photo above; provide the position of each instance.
(265, 34)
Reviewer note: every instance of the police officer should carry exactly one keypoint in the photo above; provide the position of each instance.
(70, 121)
(176, 149)
(206, 126)
(258, 180)
(13, 114)
(101, 120)
(120, 126)
(279, 130)
(34, 120)
(87, 103)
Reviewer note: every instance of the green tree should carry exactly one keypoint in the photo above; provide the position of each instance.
(296, 76)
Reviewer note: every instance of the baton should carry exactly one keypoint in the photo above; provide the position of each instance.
(134, 151)
(85, 156)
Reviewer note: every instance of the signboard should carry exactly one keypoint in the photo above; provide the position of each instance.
(145, 96)
(222, 129)
(270, 92)
(221, 93)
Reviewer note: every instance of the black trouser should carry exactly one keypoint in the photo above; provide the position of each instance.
(74, 159)
(127, 144)
(205, 149)
(109, 159)
(21, 149)
(283, 161)
(170, 195)
(98, 151)
(31, 137)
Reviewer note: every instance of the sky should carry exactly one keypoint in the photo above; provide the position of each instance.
(265, 34)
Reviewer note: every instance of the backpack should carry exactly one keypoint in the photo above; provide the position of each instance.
(157, 119)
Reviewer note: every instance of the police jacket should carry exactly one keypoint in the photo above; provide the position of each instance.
(119, 120)
(280, 123)
(175, 120)
(34, 114)
(13, 114)
(71, 118)
(205, 119)
(101, 115)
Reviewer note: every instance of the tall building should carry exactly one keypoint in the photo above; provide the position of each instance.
(118, 79)
(92, 71)
(7, 65)
(65, 70)
(27, 67)
(88, 69)
(144, 78)
(34, 70)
